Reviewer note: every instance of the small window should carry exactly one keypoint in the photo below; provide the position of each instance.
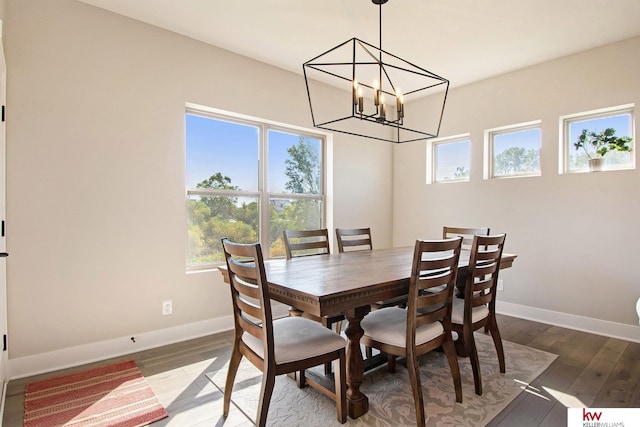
(449, 159)
(513, 151)
(575, 158)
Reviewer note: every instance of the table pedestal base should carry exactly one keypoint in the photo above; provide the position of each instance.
(357, 403)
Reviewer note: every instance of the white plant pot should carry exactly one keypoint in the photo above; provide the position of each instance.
(596, 165)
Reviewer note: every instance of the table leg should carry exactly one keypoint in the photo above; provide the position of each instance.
(357, 403)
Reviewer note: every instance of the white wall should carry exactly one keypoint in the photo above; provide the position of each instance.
(95, 170)
(576, 235)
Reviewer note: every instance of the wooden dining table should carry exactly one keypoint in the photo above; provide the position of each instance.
(348, 283)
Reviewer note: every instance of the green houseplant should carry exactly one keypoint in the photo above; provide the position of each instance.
(596, 145)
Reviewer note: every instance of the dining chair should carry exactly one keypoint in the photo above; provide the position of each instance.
(298, 243)
(464, 232)
(426, 323)
(281, 346)
(467, 234)
(478, 308)
(353, 239)
(305, 242)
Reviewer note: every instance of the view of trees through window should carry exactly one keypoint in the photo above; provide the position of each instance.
(228, 195)
(452, 160)
(516, 152)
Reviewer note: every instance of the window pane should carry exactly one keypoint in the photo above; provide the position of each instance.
(292, 214)
(210, 218)
(294, 163)
(233, 168)
(452, 161)
(516, 153)
(223, 150)
(622, 123)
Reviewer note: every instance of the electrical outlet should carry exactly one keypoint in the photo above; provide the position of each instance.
(500, 285)
(167, 307)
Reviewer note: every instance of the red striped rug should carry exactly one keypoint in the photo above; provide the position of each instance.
(113, 395)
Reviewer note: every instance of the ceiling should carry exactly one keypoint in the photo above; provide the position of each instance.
(461, 40)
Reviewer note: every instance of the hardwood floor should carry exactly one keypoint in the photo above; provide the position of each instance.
(591, 371)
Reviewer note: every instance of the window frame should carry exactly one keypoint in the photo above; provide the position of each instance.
(262, 194)
(432, 145)
(566, 145)
(489, 134)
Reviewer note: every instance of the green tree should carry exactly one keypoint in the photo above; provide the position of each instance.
(248, 214)
(213, 217)
(303, 168)
(219, 205)
(515, 160)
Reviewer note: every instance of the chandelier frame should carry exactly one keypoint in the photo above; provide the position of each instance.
(390, 68)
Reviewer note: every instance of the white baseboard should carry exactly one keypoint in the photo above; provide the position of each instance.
(587, 324)
(79, 355)
(74, 356)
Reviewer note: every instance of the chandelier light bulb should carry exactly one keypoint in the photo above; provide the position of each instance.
(376, 93)
(399, 103)
(355, 92)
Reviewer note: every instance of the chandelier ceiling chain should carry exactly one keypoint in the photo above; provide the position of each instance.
(371, 73)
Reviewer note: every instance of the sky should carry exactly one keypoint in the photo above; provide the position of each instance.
(452, 155)
(230, 148)
(217, 146)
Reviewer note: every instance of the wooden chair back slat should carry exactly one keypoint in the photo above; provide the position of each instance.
(250, 327)
(250, 308)
(306, 245)
(484, 266)
(244, 272)
(466, 233)
(353, 239)
(305, 242)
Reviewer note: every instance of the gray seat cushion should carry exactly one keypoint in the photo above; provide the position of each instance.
(477, 313)
(389, 326)
(297, 338)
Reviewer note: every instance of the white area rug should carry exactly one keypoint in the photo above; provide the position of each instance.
(390, 396)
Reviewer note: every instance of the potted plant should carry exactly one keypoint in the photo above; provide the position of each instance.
(601, 143)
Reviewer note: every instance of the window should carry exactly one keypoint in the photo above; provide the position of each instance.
(574, 159)
(248, 181)
(450, 159)
(513, 151)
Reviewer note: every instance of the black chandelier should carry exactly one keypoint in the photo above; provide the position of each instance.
(379, 84)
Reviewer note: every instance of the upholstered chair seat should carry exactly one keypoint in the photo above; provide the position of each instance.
(477, 313)
(297, 338)
(389, 326)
